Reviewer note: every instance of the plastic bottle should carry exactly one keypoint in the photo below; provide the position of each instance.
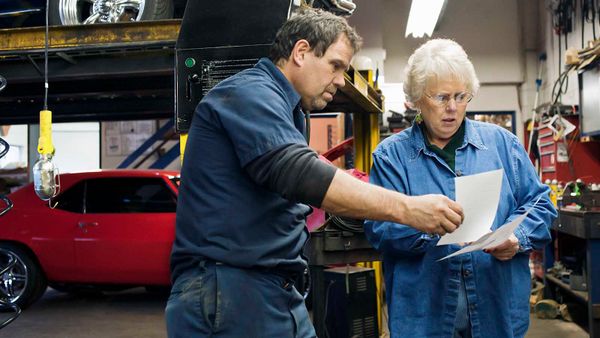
(554, 192)
(560, 189)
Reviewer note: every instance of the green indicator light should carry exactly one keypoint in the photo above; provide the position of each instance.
(190, 62)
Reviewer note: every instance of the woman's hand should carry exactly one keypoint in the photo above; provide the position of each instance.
(506, 250)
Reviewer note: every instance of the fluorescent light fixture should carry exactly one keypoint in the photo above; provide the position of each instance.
(423, 16)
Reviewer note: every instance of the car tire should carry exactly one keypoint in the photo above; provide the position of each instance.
(22, 281)
(73, 12)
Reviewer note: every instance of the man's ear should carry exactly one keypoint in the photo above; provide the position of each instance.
(301, 48)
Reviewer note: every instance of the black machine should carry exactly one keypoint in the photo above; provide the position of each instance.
(351, 302)
(218, 39)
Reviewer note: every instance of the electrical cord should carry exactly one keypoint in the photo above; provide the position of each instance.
(46, 58)
(597, 5)
(588, 15)
(566, 40)
(327, 290)
(583, 16)
(591, 17)
(561, 85)
(348, 224)
(559, 54)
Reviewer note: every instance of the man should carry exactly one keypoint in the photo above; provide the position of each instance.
(247, 170)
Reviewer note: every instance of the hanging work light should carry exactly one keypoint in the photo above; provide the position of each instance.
(45, 173)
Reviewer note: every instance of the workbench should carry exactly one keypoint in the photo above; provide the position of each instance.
(584, 228)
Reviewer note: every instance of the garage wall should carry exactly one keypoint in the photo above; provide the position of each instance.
(16, 137)
(485, 28)
(121, 138)
(76, 146)
(492, 32)
(551, 46)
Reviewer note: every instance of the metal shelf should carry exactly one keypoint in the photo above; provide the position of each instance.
(581, 295)
(109, 72)
(583, 227)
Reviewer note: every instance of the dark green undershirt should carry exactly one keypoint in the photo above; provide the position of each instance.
(448, 154)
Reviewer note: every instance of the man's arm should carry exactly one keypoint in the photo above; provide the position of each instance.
(297, 174)
(350, 197)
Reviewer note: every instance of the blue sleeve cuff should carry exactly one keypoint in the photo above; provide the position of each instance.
(524, 243)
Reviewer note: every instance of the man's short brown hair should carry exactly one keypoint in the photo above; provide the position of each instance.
(320, 28)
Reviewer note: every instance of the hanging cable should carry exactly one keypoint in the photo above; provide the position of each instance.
(45, 174)
(588, 15)
(582, 15)
(593, 19)
(46, 59)
(566, 34)
(561, 85)
(597, 12)
(559, 54)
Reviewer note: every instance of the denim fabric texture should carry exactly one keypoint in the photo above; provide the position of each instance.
(423, 294)
(462, 324)
(220, 301)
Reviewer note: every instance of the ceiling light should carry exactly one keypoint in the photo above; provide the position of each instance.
(423, 17)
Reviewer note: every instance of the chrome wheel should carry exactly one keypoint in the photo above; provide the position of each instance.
(75, 12)
(13, 276)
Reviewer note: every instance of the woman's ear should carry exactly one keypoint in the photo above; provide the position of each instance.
(410, 105)
(301, 48)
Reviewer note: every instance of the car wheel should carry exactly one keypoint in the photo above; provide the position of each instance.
(22, 281)
(76, 12)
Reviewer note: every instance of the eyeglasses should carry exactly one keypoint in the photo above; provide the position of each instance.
(442, 100)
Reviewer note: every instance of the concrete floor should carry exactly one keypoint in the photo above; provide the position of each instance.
(135, 313)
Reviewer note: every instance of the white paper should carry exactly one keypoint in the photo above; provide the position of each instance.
(494, 238)
(479, 196)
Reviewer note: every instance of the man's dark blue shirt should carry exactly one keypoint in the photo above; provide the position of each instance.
(222, 214)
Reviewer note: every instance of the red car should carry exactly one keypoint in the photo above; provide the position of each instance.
(105, 228)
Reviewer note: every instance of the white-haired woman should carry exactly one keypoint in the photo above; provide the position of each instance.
(479, 294)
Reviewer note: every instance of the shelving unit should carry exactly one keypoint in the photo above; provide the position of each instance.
(581, 295)
(105, 72)
(585, 227)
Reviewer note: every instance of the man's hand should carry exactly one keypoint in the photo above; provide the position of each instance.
(506, 250)
(434, 214)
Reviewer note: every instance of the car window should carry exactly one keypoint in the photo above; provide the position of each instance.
(71, 199)
(129, 195)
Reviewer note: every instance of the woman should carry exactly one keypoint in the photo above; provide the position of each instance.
(479, 294)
